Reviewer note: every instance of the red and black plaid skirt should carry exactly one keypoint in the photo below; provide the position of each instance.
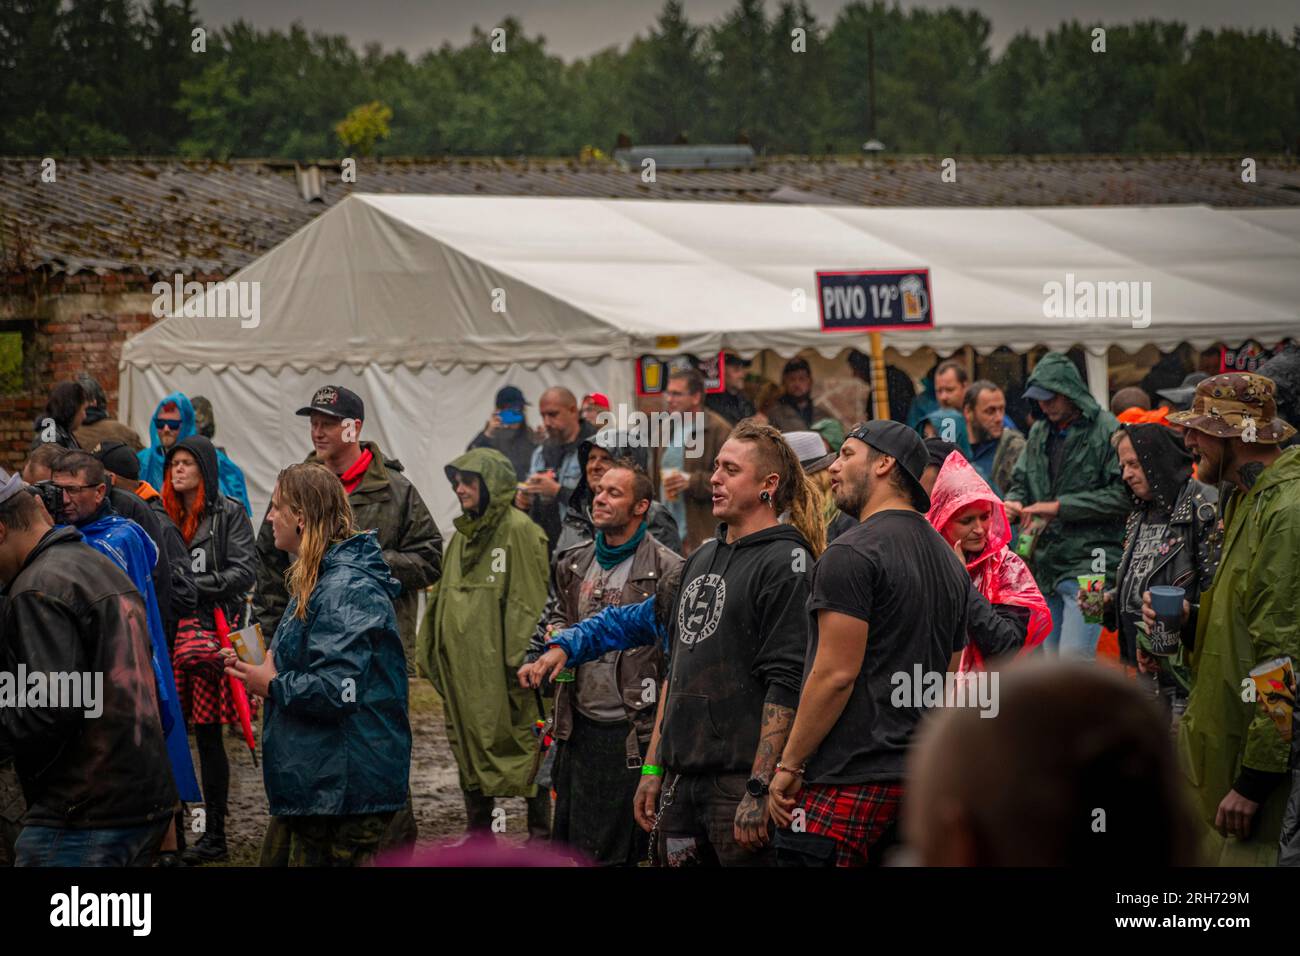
(853, 815)
(204, 692)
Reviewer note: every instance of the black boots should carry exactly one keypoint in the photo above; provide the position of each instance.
(211, 847)
(479, 813)
(539, 815)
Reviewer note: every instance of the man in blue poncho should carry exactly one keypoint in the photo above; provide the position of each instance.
(173, 420)
(85, 504)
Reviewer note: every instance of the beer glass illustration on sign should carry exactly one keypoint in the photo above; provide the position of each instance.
(915, 302)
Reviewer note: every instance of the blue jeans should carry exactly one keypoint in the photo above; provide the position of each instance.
(111, 846)
(1071, 636)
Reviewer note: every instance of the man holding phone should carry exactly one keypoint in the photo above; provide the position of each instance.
(507, 431)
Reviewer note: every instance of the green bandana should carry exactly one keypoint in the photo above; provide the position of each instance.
(608, 557)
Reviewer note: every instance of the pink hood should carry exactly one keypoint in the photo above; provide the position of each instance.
(1001, 576)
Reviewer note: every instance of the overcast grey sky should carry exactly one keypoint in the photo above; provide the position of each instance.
(576, 28)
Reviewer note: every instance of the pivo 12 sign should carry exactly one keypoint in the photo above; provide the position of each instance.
(874, 300)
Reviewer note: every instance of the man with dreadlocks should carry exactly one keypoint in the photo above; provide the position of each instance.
(737, 637)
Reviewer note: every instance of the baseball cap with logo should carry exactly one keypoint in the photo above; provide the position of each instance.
(337, 401)
(905, 446)
(1224, 403)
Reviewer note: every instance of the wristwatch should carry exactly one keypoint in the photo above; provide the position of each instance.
(756, 787)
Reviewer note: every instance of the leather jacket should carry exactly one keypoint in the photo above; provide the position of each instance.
(226, 569)
(655, 570)
(1189, 553)
(71, 610)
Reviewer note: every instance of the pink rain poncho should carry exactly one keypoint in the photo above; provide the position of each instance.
(999, 574)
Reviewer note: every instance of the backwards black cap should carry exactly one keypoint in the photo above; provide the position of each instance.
(902, 444)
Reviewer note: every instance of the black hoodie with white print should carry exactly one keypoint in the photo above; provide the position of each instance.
(738, 641)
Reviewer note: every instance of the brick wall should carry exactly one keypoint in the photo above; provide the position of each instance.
(78, 323)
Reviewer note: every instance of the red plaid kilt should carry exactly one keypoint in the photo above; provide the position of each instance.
(853, 815)
(205, 699)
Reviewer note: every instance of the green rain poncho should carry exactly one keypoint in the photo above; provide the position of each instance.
(1249, 616)
(1094, 500)
(475, 635)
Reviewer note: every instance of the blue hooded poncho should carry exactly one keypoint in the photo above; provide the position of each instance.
(153, 458)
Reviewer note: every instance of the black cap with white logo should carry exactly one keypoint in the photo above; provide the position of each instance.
(337, 401)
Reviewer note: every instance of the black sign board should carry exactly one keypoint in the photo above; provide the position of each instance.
(876, 300)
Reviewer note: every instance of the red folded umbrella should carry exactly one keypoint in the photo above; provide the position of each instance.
(237, 690)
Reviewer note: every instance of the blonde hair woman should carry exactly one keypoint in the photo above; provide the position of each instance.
(337, 741)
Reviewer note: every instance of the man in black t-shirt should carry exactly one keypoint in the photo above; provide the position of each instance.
(889, 599)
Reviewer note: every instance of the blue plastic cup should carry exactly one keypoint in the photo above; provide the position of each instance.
(1167, 602)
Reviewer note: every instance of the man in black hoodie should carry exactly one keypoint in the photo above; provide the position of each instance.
(736, 633)
(738, 639)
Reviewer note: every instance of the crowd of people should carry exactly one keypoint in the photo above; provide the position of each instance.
(768, 639)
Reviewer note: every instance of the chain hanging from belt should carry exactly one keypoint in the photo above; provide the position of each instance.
(667, 802)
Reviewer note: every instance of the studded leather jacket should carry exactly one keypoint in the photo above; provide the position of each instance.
(1188, 555)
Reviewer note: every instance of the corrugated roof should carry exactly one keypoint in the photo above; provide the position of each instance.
(200, 217)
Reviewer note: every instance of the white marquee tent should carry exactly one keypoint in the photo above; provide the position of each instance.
(425, 305)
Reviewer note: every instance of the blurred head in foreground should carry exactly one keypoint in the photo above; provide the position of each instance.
(1076, 769)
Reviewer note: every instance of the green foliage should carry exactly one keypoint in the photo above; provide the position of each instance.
(119, 76)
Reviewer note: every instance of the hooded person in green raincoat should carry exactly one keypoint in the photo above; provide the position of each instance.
(1234, 753)
(1069, 475)
(474, 638)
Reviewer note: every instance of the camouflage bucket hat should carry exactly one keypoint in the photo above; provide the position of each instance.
(1223, 404)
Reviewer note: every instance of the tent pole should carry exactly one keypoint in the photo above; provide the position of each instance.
(879, 384)
(1098, 367)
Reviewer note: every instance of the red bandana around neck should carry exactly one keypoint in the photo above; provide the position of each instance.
(352, 477)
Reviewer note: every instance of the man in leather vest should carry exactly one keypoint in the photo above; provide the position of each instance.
(604, 716)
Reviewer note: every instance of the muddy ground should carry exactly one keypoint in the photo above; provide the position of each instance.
(439, 810)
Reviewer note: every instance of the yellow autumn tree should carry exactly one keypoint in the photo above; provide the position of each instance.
(366, 125)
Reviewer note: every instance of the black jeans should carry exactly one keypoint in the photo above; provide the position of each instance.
(697, 824)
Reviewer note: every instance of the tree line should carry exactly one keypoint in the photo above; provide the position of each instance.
(118, 77)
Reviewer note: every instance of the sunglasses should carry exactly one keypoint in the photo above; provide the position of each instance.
(170, 424)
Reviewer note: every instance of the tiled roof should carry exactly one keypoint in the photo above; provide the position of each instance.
(199, 217)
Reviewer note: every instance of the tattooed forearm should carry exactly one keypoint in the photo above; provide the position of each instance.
(771, 739)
